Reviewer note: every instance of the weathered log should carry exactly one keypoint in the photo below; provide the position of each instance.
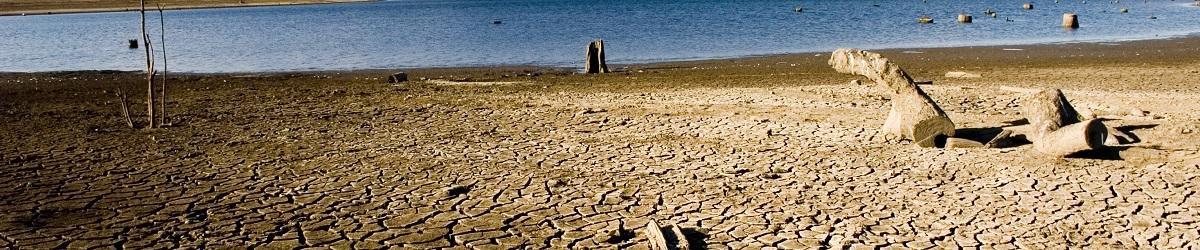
(913, 115)
(595, 58)
(1117, 137)
(1081, 136)
(1003, 139)
(654, 233)
(962, 143)
(681, 242)
(1057, 129)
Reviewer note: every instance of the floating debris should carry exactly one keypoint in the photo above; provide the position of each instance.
(925, 19)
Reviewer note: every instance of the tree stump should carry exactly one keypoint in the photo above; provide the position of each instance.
(1057, 129)
(1070, 20)
(595, 58)
(914, 115)
(398, 77)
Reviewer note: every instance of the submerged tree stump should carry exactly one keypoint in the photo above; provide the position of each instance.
(1057, 128)
(1070, 20)
(595, 58)
(914, 115)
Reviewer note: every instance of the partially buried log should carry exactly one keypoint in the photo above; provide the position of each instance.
(595, 58)
(914, 115)
(1057, 128)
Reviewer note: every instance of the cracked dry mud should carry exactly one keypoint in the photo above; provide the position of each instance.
(349, 163)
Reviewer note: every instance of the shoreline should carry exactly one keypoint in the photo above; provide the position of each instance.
(1184, 45)
(180, 7)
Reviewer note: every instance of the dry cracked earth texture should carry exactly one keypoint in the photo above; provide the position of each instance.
(557, 161)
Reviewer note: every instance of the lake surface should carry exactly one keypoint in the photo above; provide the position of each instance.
(444, 33)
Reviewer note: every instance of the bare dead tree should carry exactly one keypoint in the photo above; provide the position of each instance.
(162, 41)
(149, 67)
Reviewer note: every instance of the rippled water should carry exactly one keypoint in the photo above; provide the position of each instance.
(436, 33)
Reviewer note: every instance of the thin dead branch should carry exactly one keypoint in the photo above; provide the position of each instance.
(124, 106)
(162, 40)
(149, 67)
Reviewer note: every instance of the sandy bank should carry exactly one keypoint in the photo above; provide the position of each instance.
(748, 153)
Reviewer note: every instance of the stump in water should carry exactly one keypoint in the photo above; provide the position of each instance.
(914, 115)
(1070, 20)
(595, 58)
(1057, 129)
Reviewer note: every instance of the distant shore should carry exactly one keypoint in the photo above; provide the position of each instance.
(51, 9)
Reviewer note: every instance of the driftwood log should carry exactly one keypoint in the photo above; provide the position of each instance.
(681, 241)
(914, 115)
(595, 58)
(1056, 126)
(654, 233)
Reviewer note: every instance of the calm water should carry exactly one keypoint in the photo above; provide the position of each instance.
(436, 33)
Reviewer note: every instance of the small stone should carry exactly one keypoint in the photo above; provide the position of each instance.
(1138, 112)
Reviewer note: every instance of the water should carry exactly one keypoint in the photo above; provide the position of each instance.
(441, 33)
